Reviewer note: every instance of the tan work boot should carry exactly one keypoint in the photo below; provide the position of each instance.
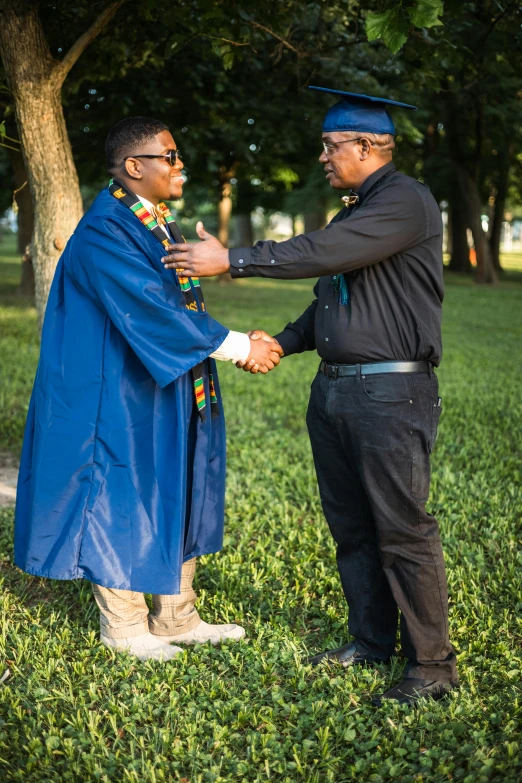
(204, 632)
(145, 646)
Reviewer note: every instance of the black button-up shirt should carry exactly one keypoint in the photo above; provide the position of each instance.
(389, 247)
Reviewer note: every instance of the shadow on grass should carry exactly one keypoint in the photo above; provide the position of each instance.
(67, 599)
(12, 299)
(63, 599)
(508, 276)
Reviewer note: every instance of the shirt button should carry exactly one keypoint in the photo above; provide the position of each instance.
(326, 339)
(240, 260)
(326, 307)
(272, 261)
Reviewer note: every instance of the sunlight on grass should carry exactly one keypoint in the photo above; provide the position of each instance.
(73, 711)
(511, 261)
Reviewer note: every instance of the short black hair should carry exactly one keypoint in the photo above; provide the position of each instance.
(127, 135)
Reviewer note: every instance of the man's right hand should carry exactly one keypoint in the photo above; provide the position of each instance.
(265, 354)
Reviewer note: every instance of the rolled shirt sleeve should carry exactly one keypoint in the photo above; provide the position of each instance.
(234, 348)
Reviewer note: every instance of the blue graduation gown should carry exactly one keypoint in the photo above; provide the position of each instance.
(120, 480)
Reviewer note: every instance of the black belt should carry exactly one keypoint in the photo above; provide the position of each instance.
(338, 370)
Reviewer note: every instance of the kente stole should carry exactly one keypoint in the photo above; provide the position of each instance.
(188, 286)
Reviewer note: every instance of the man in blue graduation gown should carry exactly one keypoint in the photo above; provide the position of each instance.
(123, 465)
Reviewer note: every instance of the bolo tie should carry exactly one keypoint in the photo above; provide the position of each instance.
(339, 281)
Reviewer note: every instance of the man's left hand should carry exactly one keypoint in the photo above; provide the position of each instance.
(204, 259)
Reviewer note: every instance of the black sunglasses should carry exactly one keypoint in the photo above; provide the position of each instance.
(171, 156)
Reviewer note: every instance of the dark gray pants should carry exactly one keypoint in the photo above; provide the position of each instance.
(371, 440)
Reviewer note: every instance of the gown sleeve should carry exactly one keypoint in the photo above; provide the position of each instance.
(168, 338)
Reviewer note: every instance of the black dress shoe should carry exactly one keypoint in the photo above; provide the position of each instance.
(409, 691)
(347, 656)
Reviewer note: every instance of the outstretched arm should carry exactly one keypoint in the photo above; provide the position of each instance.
(394, 220)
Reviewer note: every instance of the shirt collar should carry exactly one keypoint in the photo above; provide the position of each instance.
(149, 206)
(372, 180)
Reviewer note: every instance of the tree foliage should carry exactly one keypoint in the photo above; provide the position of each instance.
(232, 87)
(230, 79)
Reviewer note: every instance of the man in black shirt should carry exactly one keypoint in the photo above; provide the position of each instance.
(394, 308)
(374, 405)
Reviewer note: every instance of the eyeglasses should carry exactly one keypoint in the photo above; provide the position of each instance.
(171, 156)
(332, 146)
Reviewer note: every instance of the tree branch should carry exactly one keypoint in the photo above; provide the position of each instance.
(275, 35)
(62, 68)
(226, 40)
(497, 19)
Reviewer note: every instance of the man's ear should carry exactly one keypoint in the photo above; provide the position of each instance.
(366, 149)
(133, 168)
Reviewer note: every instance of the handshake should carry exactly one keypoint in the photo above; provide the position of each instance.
(265, 353)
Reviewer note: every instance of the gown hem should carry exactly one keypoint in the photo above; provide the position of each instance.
(80, 574)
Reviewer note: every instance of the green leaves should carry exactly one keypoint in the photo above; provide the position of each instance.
(393, 25)
(426, 13)
(4, 136)
(224, 50)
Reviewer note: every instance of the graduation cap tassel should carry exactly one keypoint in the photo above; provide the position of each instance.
(341, 287)
(343, 290)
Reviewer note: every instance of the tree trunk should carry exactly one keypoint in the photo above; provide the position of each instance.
(500, 206)
(55, 189)
(471, 200)
(315, 220)
(23, 201)
(224, 214)
(27, 275)
(458, 239)
(467, 187)
(245, 237)
(35, 80)
(224, 211)
(25, 222)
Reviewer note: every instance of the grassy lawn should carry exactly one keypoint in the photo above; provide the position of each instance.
(73, 711)
(511, 261)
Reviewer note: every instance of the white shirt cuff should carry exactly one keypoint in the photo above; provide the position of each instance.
(234, 348)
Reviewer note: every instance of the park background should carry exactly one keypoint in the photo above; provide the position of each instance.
(230, 79)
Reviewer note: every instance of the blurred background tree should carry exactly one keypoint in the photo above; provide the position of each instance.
(471, 126)
(230, 79)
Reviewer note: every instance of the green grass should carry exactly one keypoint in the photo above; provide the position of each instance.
(511, 261)
(18, 348)
(73, 711)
